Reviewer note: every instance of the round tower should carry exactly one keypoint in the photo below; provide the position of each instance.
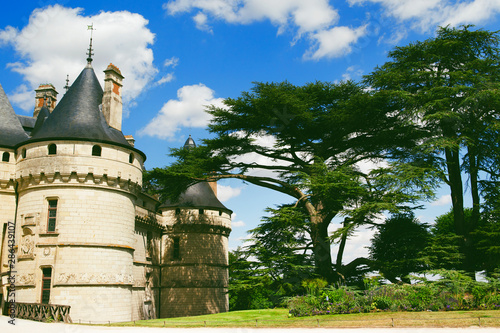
(194, 276)
(11, 133)
(78, 180)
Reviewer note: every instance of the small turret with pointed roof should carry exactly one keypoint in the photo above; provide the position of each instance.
(189, 143)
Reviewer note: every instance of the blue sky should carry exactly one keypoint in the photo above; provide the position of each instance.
(180, 55)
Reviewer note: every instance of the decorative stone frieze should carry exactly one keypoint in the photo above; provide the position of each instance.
(74, 178)
(94, 278)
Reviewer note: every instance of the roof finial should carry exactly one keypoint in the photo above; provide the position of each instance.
(66, 87)
(90, 53)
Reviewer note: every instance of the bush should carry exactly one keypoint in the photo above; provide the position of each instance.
(454, 291)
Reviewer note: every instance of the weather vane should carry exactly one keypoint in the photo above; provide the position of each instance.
(66, 87)
(90, 53)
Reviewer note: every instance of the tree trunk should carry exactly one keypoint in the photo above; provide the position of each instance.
(340, 253)
(474, 188)
(455, 183)
(321, 248)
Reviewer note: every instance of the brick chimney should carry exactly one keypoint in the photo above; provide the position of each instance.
(112, 97)
(213, 185)
(48, 92)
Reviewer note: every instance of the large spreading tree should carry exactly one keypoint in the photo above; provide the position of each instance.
(304, 141)
(449, 86)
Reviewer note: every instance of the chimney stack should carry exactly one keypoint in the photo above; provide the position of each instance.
(213, 185)
(45, 91)
(112, 97)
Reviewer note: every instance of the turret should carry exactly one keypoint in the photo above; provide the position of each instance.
(195, 268)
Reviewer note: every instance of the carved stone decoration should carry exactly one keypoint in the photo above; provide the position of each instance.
(46, 252)
(26, 279)
(99, 278)
(27, 243)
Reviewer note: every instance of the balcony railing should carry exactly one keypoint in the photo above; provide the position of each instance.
(43, 312)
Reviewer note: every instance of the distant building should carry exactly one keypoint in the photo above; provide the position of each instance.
(87, 236)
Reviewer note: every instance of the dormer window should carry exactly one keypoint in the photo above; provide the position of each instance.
(52, 149)
(96, 150)
(5, 157)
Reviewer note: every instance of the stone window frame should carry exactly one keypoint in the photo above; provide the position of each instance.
(176, 248)
(48, 210)
(52, 149)
(131, 158)
(45, 278)
(96, 150)
(6, 156)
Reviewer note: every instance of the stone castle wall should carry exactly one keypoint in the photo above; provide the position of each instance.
(196, 282)
(91, 250)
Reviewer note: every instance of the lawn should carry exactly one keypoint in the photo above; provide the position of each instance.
(279, 318)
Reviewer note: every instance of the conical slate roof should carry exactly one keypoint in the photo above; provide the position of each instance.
(189, 143)
(78, 115)
(11, 131)
(199, 195)
(40, 119)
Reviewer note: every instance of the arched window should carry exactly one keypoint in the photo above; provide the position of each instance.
(52, 149)
(23, 153)
(5, 157)
(96, 150)
(131, 158)
(177, 211)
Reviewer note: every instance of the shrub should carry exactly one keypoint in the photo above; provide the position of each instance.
(454, 291)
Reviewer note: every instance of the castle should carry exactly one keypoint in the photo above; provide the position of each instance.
(86, 234)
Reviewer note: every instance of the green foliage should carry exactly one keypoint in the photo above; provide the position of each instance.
(396, 247)
(314, 286)
(447, 86)
(316, 134)
(453, 290)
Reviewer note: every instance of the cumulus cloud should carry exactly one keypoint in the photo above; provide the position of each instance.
(224, 193)
(335, 42)
(121, 38)
(426, 15)
(238, 224)
(442, 201)
(314, 19)
(187, 110)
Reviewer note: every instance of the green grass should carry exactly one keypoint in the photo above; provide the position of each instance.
(279, 318)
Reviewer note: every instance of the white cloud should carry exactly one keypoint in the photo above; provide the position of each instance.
(167, 78)
(187, 110)
(238, 224)
(426, 15)
(352, 71)
(335, 42)
(442, 201)
(224, 193)
(201, 21)
(314, 19)
(54, 44)
(171, 62)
